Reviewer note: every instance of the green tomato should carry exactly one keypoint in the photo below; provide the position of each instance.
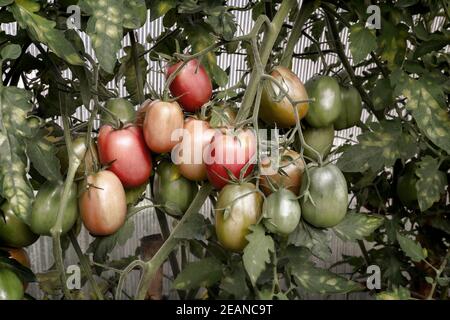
(351, 108)
(172, 190)
(11, 287)
(327, 204)
(121, 108)
(320, 139)
(281, 212)
(45, 208)
(238, 207)
(327, 105)
(13, 232)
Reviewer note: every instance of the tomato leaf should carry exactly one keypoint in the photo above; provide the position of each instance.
(5, 2)
(398, 293)
(411, 248)
(11, 52)
(362, 41)
(257, 252)
(392, 41)
(105, 29)
(158, 8)
(134, 14)
(194, 228)
(431, 183)
(378, 148)
(357, 226)
(14, 186)
(316, 240)
(43, 30)
(234, 283)
(426, 105)
(202, 273)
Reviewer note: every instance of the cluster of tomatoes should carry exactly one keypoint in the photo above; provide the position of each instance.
(115, 171)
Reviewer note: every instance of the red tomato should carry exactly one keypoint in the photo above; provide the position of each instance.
(126, 152)
(229, 150)
(192, 85)
(188, 154)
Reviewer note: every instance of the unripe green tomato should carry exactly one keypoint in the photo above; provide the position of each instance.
(121, 108)
(320, 139)
(327, 104)
(11, 287)
(46, 205)
(13, 232)
(351, 108)
(282, 212)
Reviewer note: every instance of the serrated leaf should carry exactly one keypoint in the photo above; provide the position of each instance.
(357, 226)
(43, 30)
(11, 52)
(431, 183)
(392, 42)
(382, 94)
(425, 104)
(194, 228)
(398, 293)
(134, 14)
(235, 284)
(105, 29)
(223, 24)
(411, 248)
(378, 148)
(316, 240)
(42, 154)
(362, 41)
(202, 273)
(159, 8)
(257, 252)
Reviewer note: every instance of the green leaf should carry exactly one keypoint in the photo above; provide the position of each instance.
(357, 226)
(202, 273)
(11, 52)
(42, 154)
(134, 14)
(411, 248)
(5, 2)
(362, 41)
(43, 30)
(435, 42)
(223, 25)
(158, 8)
(398, 293)
(102, 246)
(382, 94)
(425, 104)
(14, 186)
(257, 252)
(105, 29)
(378, 148)
(392, 42)
(194, 228)
(316, 240)
(431, 183)
(234, 283)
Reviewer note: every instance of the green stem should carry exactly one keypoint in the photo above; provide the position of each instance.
(137, 67)
(150, 268)
(302, 16)
(438, 274)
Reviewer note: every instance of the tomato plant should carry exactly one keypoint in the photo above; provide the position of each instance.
(11, 287)
(118, 111)
(13, 231)
(281, 212)
(351, 108)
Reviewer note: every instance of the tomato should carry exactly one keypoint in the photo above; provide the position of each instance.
(406, 185)
(88, 157)
(161, 123)
(103, 205)
(13, 232)
(327, 104)
(192, 86)
(292, 167)
(45, 208)
(222, 115)
(320, 139)
(328, 190)
(281, 211)
(188, 154)
(238, 207)
(282, 112)
(126, 153)
(121, 109)
(172, 190)
(140, 115)
(351, 108)
(135, 195)
(11, 287)
(229, 151)
(20, 255)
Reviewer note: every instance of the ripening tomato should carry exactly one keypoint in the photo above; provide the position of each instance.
(290, 175)
(103, 204)
(319, 139)
(282, 212)
(13, 232)
(230, 151)
(11, 287)
(188, 154)
(163, 125)
(126, 153)
(238, 207)
(351, 108)
(282, 112)
(192, 86)
(20, 255)
(118, 109)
